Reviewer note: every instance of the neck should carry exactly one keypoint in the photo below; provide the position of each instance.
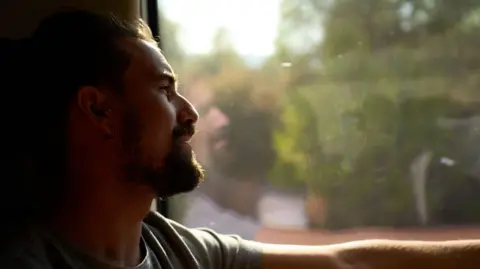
(102, 219)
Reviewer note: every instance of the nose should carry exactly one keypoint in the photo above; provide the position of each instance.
(187, 112)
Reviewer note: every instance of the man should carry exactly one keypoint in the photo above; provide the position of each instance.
(111, 133)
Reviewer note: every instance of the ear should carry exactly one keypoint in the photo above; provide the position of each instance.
(94, 104)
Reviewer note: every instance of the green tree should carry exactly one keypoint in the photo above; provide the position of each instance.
(372, 90)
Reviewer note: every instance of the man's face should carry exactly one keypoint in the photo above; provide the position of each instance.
(156, 125)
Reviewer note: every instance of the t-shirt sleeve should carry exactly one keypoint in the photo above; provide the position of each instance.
(217, 251)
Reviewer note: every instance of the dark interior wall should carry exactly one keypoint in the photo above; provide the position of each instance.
(18, 18)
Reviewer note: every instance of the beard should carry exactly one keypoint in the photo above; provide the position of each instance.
(180, 171)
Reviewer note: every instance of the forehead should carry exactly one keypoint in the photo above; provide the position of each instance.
(147, 64)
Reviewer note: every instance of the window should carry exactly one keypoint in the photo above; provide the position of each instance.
(360, 116)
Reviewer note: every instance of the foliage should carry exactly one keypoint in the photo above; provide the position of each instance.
(389, 70)
(352, 96)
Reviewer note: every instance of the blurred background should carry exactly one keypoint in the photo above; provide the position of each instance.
(325, 121)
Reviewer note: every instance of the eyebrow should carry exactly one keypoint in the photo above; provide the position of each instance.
(166, 75)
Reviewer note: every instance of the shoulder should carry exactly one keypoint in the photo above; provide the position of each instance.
(211, 249)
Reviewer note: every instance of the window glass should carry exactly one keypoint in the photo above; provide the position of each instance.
(328, 121)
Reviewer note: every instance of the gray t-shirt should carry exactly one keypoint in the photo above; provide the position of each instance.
(165, 245)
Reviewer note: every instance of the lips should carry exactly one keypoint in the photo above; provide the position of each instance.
(184, 139)
(183, 144)
(186, 145)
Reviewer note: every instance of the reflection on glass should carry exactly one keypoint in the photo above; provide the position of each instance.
(316, 116)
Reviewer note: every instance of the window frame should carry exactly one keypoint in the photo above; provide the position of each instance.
(150, 12)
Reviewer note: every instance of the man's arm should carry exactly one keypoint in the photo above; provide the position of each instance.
(375, 254)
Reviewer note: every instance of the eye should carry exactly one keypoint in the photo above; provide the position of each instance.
(168, 91)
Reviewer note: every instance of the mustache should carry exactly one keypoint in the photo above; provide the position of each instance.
(184, 130)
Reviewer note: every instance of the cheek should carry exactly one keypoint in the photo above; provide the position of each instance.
(157, 134)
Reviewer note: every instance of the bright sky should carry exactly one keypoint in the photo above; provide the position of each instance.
(252, 24)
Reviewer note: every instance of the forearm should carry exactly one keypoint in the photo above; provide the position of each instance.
(376, 254)
(380, 254)
(304, 257)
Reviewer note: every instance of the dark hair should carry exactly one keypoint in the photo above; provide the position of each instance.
(41, 75)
